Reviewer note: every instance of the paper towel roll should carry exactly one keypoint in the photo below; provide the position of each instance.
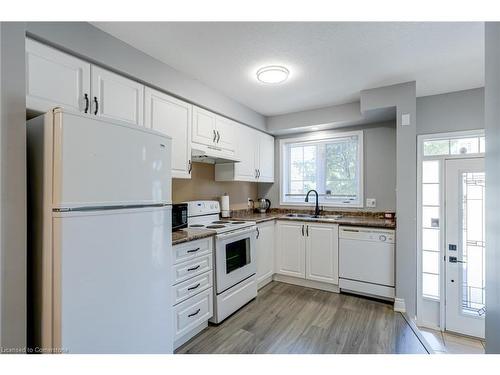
(224, 206)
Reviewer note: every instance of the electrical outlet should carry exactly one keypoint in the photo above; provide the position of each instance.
(371, 202)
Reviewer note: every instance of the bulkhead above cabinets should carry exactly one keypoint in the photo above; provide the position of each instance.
(57, 79)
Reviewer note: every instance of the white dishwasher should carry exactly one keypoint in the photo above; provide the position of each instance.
(366, 261)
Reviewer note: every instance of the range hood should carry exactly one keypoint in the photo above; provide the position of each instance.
(211, 155)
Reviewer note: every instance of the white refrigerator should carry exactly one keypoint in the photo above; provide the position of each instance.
(100, 236)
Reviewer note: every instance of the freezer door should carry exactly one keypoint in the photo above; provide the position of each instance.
(102, 163)
(112, 281)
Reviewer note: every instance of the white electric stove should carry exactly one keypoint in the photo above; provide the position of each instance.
(235, 257)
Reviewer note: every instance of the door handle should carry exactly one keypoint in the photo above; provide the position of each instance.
(96, 105)
(215, 136)
(455, 260)
(195, 313)
(302, 229)
(218, 136)
(193, 268)
(193, 250)
(258, 173)
(87, 103)
(307, 230)
(190, 166)
(258, 233)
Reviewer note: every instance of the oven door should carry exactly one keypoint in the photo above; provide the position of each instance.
(234, 257)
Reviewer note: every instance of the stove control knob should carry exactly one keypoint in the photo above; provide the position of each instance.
(382, 237)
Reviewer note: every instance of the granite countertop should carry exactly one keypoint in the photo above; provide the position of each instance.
(186, 235)
(354, 220)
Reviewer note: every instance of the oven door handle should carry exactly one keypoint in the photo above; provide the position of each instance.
(236, 233)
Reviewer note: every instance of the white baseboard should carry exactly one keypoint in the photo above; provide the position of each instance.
(264, 282)
(307, 283)
(399, 305)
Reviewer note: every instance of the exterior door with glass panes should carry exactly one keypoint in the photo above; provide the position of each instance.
(465, 246)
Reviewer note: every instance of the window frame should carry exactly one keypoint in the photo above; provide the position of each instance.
(322, 136)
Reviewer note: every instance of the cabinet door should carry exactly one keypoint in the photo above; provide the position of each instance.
(55, 79)
(116, 97)
(322, 255)
(246, 169)
(173, 118)
(203, 127)
(265, 251)
(266, 158)
(290, 257)
(226, 135)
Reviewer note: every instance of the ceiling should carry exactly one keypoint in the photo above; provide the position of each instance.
(330, 62)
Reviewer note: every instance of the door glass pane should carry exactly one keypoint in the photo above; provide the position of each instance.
(430, 239)
(430, 217)
(464, 146)
(430, 194)
(430, 171)
(473, 243)
(438, 147)
(430, 285)
(430, 262)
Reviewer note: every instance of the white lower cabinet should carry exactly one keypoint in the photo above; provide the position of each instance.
(192, 288)
(265, 252)
(322, 253)
(291, 249)
(308, 251)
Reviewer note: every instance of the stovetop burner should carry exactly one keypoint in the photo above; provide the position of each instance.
(196, 226)
(237, 222)
(220, 222)
(215, 226)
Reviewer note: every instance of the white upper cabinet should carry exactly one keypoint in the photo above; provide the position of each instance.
(213, 131)
(172, 117)
(116, 97)
(203, 127)
(322, 253)
(255, 150)
(246, 169)
(55, 79)
(265, 166)
(226, 134)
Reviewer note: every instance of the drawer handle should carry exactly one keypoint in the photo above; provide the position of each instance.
(193, 250)
(194, 287)
(193, 268)
(195, 313)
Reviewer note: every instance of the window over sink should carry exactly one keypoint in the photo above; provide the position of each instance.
(329, 162)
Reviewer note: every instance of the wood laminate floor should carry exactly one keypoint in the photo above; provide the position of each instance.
(286, 318)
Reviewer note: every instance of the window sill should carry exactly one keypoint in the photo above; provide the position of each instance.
(303, 204)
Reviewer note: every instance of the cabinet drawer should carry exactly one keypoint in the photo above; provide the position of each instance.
(192, 312)
(191, 287)
(194, 267)
(190, 250)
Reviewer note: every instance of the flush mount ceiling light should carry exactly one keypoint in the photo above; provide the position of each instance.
(272, 74)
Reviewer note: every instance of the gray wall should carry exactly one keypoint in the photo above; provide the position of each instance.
(87, 41)
(379, 172)
(12, 187)
(403, 97)
(492, 127)
(454, 111)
